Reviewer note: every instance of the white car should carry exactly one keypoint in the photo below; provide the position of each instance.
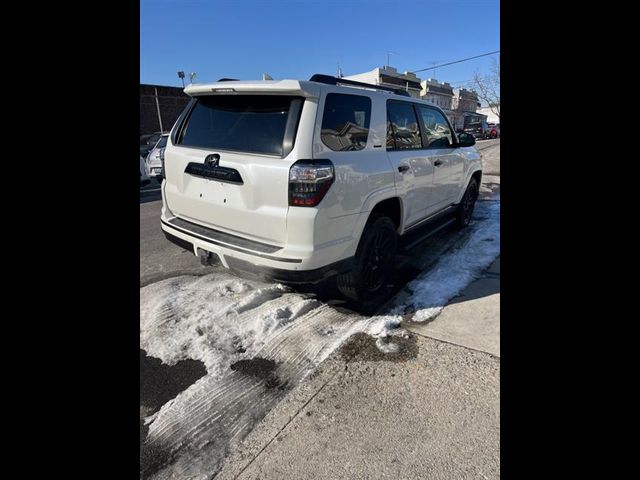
(154, 160)
(304, 180)
(144, 176)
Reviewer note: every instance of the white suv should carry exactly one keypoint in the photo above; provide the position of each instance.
(304, 180)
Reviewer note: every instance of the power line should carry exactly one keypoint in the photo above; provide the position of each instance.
(457, 61)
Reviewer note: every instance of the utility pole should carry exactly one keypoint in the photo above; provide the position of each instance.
(158, 107)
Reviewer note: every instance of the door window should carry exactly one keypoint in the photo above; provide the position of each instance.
(403, 127)
(437, 133)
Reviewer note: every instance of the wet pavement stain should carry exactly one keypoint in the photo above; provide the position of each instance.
(361, 347)
(160, 383)
(261, 368)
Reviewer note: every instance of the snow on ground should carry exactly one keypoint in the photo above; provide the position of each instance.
(221, 319)
(427, 295)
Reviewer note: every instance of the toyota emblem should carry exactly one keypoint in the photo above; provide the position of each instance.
(212, 160)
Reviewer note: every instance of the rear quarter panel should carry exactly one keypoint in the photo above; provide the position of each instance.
(472, 163)
(363, 177)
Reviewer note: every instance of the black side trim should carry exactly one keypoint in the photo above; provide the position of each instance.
(433, 217)
(292, 277)
(226, 240)
(223, 174)
(291, 128)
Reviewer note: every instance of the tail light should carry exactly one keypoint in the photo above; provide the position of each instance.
(309, 182)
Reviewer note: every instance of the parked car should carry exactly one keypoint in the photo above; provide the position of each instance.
(478, 130)
(154, 162)
(302, 181)
(494, 130)
(147, 142)
(144, 176)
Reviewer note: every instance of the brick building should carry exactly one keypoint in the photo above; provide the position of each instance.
(171, 100)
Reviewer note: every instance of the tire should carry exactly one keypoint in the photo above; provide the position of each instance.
(468, 202)
(373, 263)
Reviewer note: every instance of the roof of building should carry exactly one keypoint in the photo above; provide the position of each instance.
(437, 89)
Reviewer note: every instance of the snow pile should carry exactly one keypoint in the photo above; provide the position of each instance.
(430, 292)
(219, 319)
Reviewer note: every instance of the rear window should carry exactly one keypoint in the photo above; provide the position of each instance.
(243, 123)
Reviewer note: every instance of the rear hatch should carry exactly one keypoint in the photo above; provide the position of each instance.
(227, 163)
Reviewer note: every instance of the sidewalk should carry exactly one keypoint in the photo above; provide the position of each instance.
(431, 410)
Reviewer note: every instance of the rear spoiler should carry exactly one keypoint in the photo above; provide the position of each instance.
(228, 86)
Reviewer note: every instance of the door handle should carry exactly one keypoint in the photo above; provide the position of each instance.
(403, 168)
(437, 163)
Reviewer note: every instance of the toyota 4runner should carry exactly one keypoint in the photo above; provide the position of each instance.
(305, 180)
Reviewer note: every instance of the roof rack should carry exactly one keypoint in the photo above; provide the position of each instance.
(228, 80)
(329, 80)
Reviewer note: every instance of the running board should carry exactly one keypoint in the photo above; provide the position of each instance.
(431, 218)
(427, 234)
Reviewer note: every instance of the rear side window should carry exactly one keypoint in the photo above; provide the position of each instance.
(437, 133)
(345, 121)
(403, 130)
(242, 123)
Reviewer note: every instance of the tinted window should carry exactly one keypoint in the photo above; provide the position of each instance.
(437, 133)
(243, 123)
(345, 121)
(403, 123)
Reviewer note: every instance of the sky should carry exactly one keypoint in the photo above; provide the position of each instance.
(296, 38)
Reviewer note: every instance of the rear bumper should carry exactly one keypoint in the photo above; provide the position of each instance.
(294, 277)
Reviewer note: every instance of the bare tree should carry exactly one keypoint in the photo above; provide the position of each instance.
(488, 87)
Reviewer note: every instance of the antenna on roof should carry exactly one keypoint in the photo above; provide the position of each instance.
(340, 74)
(389, 53)
(266, 76)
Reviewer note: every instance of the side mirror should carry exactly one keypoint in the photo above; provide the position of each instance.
(466, 140)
